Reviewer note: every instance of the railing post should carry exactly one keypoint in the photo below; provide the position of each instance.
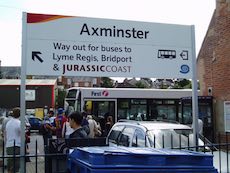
(219, 146)
(3, 154)
(24, 157)
(14, 157)
(197, 143)
(227, 151)
(36, 156)
(188, 143)
(204, 144)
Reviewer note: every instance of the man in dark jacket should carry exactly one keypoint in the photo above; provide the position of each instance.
(75, 120)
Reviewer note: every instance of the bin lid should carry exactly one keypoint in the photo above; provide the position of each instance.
(132, 156)
(139, 150)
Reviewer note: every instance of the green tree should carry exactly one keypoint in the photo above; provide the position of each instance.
(60, 98)
(107, 82)
(139, 84)
(183, 84)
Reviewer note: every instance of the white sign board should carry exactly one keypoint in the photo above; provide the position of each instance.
(30, 95)
(79, 46)
(227, 115)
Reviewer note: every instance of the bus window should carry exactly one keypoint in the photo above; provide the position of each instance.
(123, 106)
(132, 109)
(187, 114)
(136, 111)
(72, 93)
(166, 112)
(102, 109)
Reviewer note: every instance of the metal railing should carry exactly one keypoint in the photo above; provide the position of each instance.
(54, 159)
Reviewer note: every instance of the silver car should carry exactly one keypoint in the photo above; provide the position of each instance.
(151, 134)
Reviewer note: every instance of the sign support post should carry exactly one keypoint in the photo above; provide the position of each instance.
(22, 94)
(194, 90)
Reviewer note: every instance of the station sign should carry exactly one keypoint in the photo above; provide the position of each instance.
(79, 46)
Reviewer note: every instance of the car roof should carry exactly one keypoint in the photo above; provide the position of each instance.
(156, 125)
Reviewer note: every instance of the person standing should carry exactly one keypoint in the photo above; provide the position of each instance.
(75, 121)
(13, 141)
(200, 126)
(59, 122)
(85, 123)
(92, 126)
(66, 130)
(47, 129)
(108, 124)
(4, 122)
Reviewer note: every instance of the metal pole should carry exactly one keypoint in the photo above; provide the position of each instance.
(194, 89)
(22, 94)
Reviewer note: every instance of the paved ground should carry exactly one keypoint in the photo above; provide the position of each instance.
(30, 166)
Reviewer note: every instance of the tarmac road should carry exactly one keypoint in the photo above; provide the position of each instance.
(40, 144)
(31, 166)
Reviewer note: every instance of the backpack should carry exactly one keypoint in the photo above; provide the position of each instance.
(59, 122)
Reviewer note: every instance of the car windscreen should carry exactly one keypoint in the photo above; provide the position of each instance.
(169, 138)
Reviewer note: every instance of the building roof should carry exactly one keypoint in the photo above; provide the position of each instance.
(28, 82)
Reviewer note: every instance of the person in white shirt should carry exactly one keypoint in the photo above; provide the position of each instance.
(4, 122)
(13, 140)
(92, 126)
(66, 130)
(199, 127)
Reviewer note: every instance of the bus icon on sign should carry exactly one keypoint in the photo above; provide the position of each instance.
(169, 54)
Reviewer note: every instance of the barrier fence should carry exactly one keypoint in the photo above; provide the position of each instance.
(54, 159)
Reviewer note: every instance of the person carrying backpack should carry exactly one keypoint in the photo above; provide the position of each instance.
(59, 122)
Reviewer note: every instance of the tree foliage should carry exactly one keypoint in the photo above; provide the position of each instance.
(60, 98)
(183, 84)
(106, 82)
(139, 84)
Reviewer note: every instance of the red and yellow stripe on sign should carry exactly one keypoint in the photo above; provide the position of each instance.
(38, 18)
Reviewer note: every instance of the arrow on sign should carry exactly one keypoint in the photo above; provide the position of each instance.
(184, 55)
(35, 54)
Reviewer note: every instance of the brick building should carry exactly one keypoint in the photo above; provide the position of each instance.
(213, 63)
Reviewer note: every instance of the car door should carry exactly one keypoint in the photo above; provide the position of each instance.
(115, 132)
(139, 139)
(125, 139)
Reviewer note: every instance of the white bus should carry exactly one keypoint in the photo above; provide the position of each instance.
(128, 103)
(140, 104)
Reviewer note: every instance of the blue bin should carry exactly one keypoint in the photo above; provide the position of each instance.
(144, 160)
